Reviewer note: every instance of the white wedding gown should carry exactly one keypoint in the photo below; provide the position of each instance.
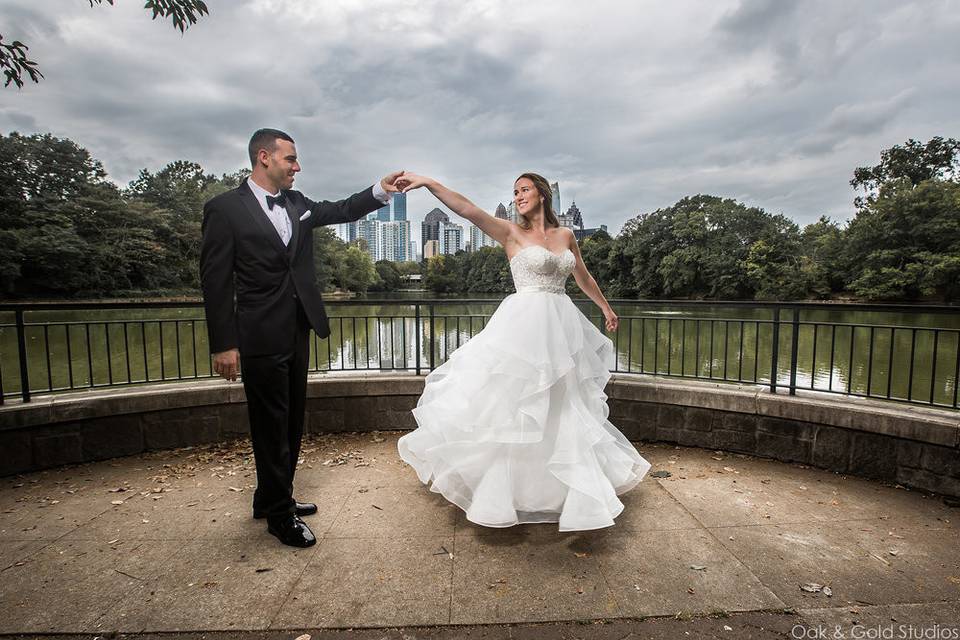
(513, 427)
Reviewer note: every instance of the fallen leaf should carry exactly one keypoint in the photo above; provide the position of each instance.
(116, 502)
(698, 567)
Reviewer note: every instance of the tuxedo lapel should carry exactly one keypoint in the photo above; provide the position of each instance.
(260, 218)
(293, 212)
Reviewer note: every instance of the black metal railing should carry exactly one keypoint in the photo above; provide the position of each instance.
(68, 346)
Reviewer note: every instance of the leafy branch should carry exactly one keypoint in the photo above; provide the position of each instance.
(16, 65)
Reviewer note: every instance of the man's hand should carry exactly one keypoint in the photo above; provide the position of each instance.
(389, 182)
(226, 363)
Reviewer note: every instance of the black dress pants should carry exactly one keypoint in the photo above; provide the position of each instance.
(276, 389)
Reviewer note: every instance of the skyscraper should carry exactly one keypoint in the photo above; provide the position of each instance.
(369, 229)
(451, 237)
(501, 212)
(478, 238)
(575, 215)
(555, 188)
(430, 227)
(399, 207)
(394, 240)
(383, 213)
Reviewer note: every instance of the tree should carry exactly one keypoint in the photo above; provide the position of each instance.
(913, 161)
(388, 276)
(15, 63)
(905, 243)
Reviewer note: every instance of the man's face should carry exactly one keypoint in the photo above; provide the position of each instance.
(282, 164)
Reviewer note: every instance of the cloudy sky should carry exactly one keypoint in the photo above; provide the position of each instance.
(629, 105)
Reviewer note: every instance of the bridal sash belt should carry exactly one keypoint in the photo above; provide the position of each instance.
(534, 288)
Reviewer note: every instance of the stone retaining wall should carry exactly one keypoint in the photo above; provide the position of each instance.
(914, 446)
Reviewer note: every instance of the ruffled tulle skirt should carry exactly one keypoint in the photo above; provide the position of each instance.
(513, 427)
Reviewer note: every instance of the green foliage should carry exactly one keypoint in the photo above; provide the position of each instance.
(905, 243)
(182, 13)
(67, 231)
(912, 161)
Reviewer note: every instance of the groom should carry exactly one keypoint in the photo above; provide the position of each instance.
(257, 276)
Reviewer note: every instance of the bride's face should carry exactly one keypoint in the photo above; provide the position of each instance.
(526, 197)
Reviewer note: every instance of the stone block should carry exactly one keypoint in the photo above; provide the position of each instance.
(732, 440)
(941, 460)
(17, 453)
(111, 437)
(909, 453)
(831, 448)
(234, 420)
(786, 428)
(784, 447)
(201, 429)
(695, 438)
(325, 422)
(699, 419)
(636, 429)
(359, 413)
(57, 449)
(162, 434)
(743, 422)
(923, 479)
(670, 417)
(325, 404)
(873, 455)
(173, 415)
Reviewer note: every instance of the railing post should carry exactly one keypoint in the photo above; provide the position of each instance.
(22, 348)
(774, 350)
(794, 344)
(432, 337)
(416, 331)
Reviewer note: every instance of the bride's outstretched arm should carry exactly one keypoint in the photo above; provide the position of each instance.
(494, 227)
(590, 287)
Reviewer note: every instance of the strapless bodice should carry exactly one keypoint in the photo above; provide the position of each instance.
(536, 268)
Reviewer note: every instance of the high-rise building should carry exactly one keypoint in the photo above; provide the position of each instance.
(575, 215)
(383, 213)
(394, 240)
(555, 188)
(451, 238)
(413, 251)
(431, 248)
(347, 232)
(501, 212)
(369, 230)
(478, 239)
(512, 214)
(430, 227)
(399, 207)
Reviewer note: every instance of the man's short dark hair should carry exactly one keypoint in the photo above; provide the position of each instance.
(265, 139)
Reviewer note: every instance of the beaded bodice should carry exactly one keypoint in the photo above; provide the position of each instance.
(536, 268)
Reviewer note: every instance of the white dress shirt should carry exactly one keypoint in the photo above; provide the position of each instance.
(278, 215)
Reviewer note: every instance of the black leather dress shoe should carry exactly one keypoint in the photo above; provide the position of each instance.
(291, 531)
(306, 509)
(303, 509)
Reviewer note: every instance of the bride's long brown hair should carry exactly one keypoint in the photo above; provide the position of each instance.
(546, 193)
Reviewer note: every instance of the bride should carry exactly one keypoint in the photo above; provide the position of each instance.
(513, 427)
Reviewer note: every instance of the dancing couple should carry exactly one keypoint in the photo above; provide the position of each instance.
(512, 428)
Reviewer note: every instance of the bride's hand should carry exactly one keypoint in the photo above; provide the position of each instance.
(612, 320)
(410, 181)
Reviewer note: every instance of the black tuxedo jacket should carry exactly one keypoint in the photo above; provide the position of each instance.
(251, 282)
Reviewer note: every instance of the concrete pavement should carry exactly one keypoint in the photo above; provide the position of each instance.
(164, 542)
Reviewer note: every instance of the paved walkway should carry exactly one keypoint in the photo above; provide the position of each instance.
(164, 542)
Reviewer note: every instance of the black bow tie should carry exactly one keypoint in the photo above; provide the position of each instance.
(280, 200)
